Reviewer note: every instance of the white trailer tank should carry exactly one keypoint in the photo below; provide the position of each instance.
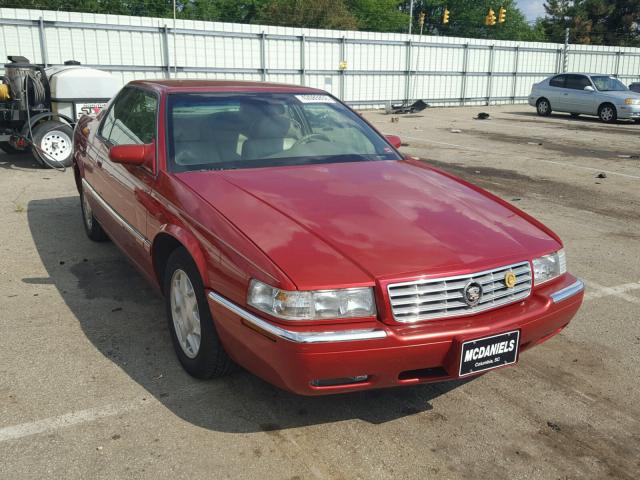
(78, 90)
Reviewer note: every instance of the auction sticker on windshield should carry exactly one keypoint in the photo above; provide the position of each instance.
(489, 352)
(315, 99)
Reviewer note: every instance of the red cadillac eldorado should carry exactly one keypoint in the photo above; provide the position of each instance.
(289, 236)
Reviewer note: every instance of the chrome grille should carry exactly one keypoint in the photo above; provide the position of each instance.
(443, 297)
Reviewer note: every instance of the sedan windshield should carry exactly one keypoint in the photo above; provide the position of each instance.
(608, 84)
(230, 131)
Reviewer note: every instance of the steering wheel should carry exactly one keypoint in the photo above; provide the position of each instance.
(312, 137)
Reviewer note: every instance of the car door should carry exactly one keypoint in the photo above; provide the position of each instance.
(131, 119)
(576, 98)
(555, 92)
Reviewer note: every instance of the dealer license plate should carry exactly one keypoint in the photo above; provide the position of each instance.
(91, 109)
(489, 352)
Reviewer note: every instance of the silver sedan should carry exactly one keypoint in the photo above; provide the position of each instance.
(578, 93)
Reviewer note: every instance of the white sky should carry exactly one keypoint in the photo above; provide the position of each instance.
(532, 9)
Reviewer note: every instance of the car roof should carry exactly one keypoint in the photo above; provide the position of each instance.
(168, 86)
(583, 73)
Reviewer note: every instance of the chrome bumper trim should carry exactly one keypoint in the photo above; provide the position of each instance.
(573, 289)
(298, 337)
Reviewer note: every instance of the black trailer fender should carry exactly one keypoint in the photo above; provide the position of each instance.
(44, 115)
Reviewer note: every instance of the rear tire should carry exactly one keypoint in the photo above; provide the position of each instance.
(543, 107)
(607, 113)
(192, 328)
(91, 226)
(55, 139)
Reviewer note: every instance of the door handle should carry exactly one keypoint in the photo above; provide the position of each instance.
(565, 94)
(99, 163)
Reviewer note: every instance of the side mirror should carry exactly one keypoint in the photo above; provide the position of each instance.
(589, 88)
(142, 154)
(394, 140)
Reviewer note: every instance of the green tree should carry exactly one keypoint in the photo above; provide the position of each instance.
(332, 14)
(598, 22)
(467, 19)
(379, 15)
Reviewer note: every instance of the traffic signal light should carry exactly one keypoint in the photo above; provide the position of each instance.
(421, 18)
(445, 16)
(502, 14)
(490, 19)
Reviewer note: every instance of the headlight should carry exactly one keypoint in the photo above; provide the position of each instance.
(632, 101)
(311, 305)
(549, 267)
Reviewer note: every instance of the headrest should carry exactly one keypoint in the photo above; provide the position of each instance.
(276, 126)
(224, 121)
(187, 129)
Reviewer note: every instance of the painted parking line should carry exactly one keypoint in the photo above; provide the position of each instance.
(562, 164)
(596, 291)
(51, 424)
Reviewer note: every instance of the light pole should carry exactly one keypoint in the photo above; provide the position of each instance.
(410, 16)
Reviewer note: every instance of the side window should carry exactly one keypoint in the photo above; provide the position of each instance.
(558, 81)
(132, 119)
(577, 82)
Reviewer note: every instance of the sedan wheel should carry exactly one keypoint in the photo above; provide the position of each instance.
(91, 226)
(543, 107)
(608, 113)
(185, 313)
(193, 332)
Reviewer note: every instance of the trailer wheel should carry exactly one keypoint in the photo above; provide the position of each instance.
(54, 139)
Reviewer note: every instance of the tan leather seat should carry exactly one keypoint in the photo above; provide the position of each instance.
(192, 144)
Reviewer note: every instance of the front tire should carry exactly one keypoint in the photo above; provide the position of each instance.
(193, 332)
(607, 113)
(543, 107)
(54, 139)
(91, 226)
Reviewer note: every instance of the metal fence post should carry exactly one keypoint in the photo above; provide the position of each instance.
(565, 52)
(515, 75)
(407, 80)
(263, 56)
(43, 42)
(618, 56)
(165, 49)
(302, 60)
(490, 73)
(463, 83)
(343, 54)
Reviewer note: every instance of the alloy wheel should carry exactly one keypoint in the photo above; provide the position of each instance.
(87, 213)
(607, 114)
(185, 313)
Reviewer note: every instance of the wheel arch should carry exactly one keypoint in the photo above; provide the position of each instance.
(607, 102)
(46, 115)
(166, 241)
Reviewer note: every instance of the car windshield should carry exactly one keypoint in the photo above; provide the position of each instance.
(608, 84)
(229, 131)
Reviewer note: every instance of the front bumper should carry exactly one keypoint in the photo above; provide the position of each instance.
(628, 111)
(388, 355)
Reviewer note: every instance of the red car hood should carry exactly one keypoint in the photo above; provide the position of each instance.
(350, 223)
